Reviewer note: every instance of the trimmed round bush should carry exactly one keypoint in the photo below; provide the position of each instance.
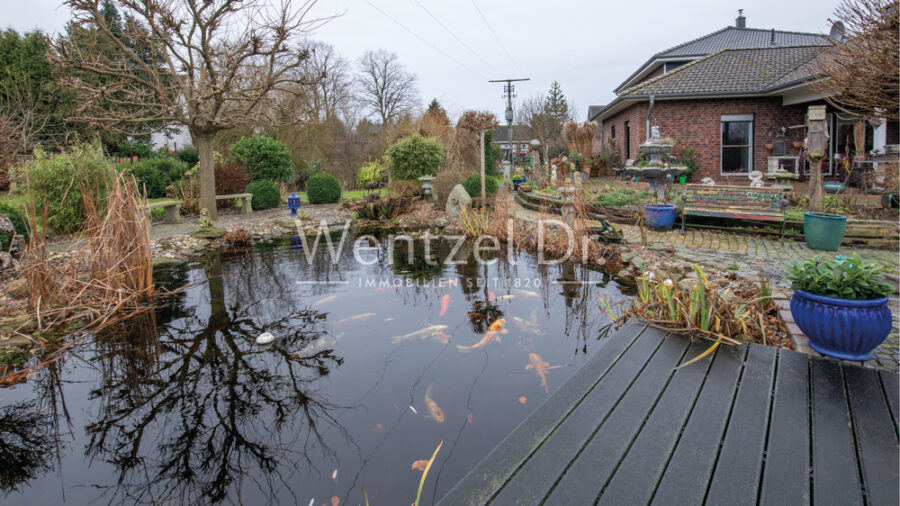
(155, 174)
(17, 218)
(58, 181)
(264, 157)
(323, 188)
(415, 156)
(472, 184)
(265, 194)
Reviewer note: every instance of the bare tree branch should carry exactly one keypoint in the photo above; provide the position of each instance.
(386, 88)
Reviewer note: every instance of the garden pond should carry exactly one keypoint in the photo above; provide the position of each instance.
(374, 364)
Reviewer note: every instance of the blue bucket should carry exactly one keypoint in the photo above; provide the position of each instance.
(660, 216)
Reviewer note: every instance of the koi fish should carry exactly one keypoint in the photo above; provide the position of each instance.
(422, 332)
(334, 476)
(526, 326)
(419, 465)
(449, 282)
(413, 410)
(445, 301)
(527, 293)
(443, 338)
(357, 317)
(506, 297)
(540, 368)
(491, 296)
(326, 300)
(434, 411)
(489, 336)
(476, 315)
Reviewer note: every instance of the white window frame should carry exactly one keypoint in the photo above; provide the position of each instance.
(736, 117)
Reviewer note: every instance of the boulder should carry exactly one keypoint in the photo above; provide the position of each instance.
(457, 199)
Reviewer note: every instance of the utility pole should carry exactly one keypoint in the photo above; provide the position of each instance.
(509, 92)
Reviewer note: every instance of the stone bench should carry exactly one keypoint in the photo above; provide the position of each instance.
(246, 199)
(172, 208)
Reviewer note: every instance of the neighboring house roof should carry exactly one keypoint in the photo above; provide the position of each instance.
(593, 110)
(520, 133)
(730, 37)
(733, 71)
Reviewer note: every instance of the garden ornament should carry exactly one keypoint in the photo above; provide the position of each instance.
(756, 179)
(708, 181)
(457, 199)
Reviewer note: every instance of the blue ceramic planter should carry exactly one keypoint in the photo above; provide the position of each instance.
(842, 328)
(660, 216)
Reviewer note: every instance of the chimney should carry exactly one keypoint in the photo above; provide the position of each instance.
(741, 21)
(772, 41)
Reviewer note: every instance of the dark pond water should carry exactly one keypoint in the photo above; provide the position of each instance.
(182, 406)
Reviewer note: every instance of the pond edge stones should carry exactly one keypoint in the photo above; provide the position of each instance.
(457, 199)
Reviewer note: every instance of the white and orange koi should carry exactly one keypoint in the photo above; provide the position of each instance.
(527, 293)
(434, 411)
(489, 336)
(362, 316)
(526, 326)
(430, 330)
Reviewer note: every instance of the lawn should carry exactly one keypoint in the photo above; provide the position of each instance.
(347, 196)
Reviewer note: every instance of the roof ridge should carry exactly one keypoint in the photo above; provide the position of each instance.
(691, 41)
(671, 73)
(781, 31)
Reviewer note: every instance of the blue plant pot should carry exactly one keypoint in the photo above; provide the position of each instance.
(660, 216)
(842, 328)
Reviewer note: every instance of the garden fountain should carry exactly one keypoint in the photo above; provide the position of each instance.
(656, 170)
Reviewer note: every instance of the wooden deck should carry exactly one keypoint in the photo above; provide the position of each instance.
(747, 425)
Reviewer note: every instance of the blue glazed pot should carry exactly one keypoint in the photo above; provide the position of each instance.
(842, 328)
(660, 216)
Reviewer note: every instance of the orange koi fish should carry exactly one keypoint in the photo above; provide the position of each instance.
(434, 411)
(540, 368)
(526, 326)
(357, 317)
(489, 336)
(445, 301)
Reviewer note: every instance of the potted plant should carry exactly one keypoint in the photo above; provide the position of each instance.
(840, 305)
(824, 231)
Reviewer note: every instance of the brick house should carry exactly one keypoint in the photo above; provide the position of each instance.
(731, 96)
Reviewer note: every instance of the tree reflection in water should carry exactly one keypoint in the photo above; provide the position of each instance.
(189, 417)
(28, 437)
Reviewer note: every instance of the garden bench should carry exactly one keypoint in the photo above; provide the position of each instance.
(172, 208)
(246, 199)
(736, 202)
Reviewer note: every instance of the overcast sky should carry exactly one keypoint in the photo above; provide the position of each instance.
(589, 46)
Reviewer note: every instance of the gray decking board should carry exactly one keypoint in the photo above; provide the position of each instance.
(688, 472)
(786, 473)
(835, 471)
(582, 482)
(875, 435)
(747, 424)
(543, 468)
(736, 477)
(636, 478)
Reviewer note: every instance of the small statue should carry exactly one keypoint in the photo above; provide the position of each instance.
(204, 220)
(756, 179)
(553, 174)
(654, 134)
(708, 181)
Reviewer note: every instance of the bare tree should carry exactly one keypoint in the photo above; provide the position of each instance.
(210, 65)
(330, 85)
(862, 71)
(385, 87)
(542, 125)
(481, 122)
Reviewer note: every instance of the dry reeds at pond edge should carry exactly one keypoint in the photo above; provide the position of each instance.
(106, 279)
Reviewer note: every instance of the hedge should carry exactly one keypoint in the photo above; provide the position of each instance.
(472, 184)
(264, 157)
(323, 188)
(415, 156)
(265, 195)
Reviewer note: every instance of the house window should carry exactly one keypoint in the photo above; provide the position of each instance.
(672, 65)
(737, 143)
(612, 133)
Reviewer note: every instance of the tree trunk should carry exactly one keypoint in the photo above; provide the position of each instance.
(207, 172)
(815, 184)
(483, 192)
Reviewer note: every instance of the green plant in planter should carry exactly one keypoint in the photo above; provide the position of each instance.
(849, 278)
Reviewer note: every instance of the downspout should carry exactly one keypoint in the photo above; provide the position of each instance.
(649, 111)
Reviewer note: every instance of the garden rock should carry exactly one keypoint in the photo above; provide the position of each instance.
(7, 261)
(288, 223)
(458, 199)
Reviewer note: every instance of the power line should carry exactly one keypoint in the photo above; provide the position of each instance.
(495, 36)
(426, 42)
(438, 21)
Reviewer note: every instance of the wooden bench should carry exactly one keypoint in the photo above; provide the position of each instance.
(172, 208)
(246, 199)
(736, 202)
